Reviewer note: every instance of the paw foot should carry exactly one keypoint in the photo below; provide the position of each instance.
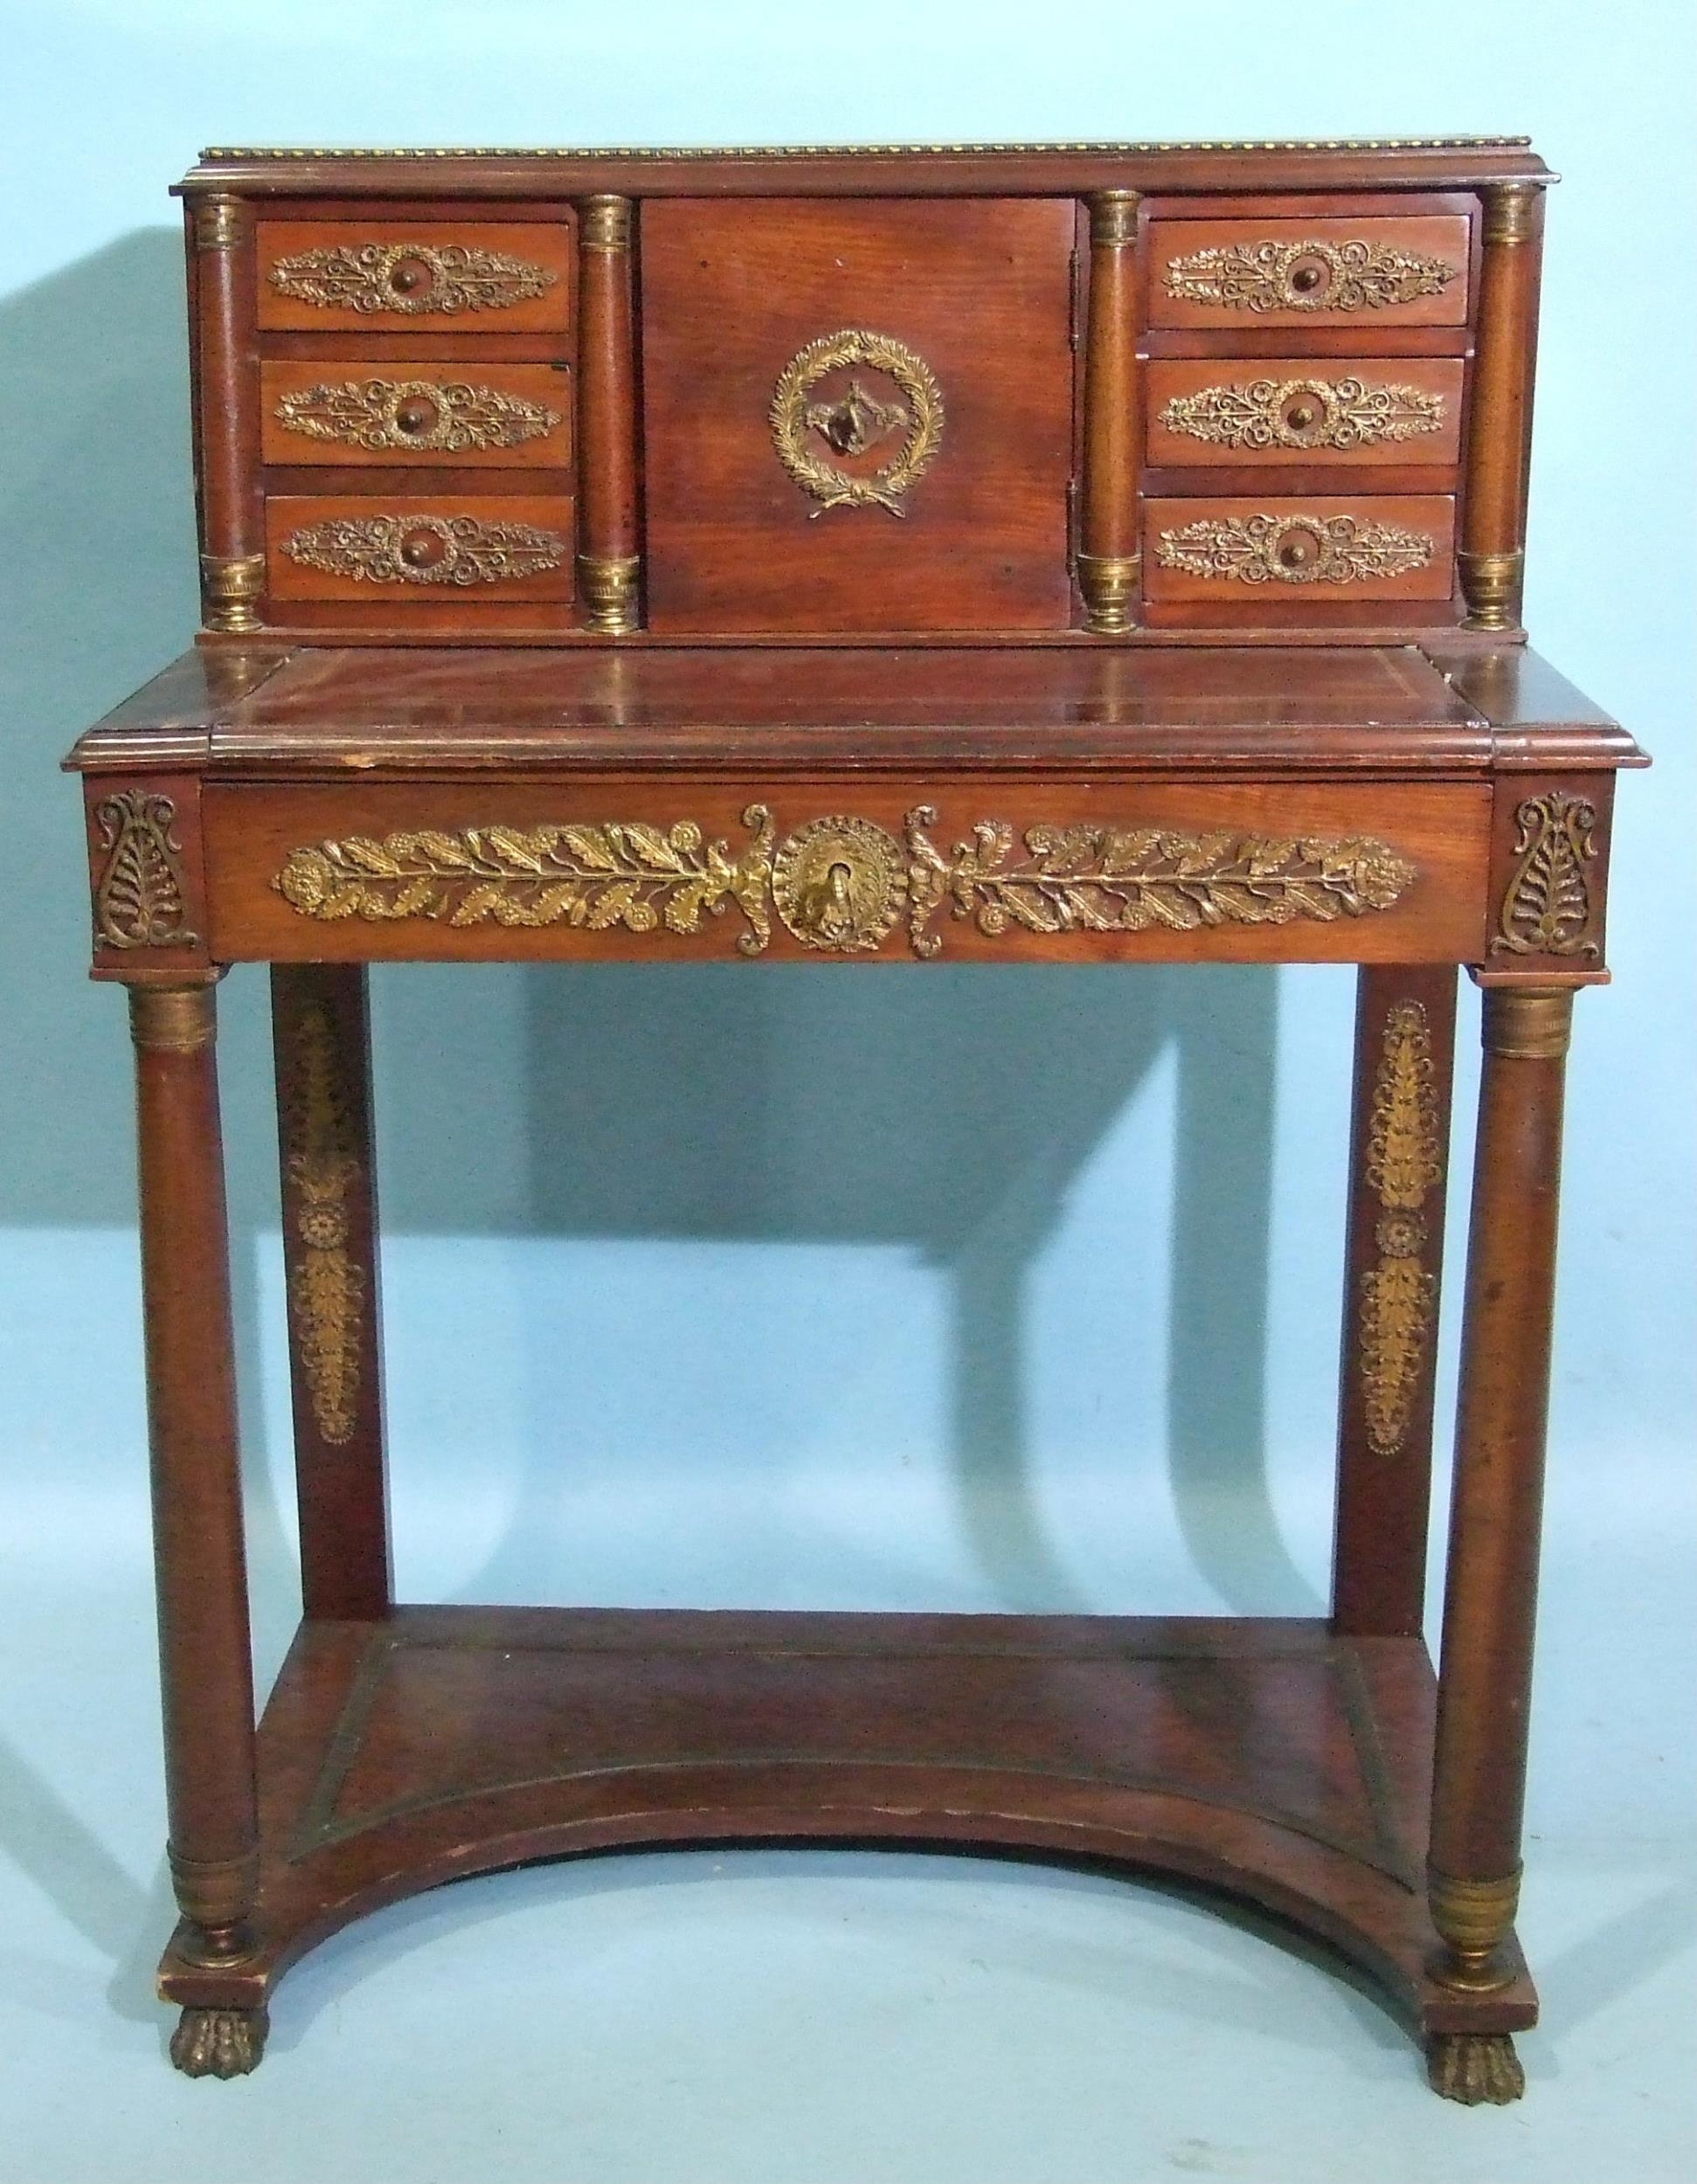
(220, 2042)
(1473, 2067)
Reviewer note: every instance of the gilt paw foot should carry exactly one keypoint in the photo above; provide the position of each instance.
(1473, 2067)
(220, 2042)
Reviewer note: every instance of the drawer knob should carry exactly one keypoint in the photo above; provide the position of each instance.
(423, 548)
(414, 415)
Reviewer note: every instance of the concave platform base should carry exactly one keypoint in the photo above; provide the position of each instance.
(1265, 1759)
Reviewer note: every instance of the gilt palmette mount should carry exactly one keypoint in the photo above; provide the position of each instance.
(1547, 910)
(842, 884)
(141, 897)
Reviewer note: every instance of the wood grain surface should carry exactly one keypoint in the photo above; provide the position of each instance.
(981, 292)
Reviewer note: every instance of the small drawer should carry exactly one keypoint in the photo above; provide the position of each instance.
(1307, 552)
(1304, 410)
(471, 416)
(473, 277)
(419, 551)
(1407, 272)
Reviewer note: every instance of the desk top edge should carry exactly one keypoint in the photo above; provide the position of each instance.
(294, 709)
(1460, 160)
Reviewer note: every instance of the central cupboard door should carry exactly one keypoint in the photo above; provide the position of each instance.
(858, 415)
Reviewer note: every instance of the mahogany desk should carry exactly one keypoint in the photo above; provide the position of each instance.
(1102, 553)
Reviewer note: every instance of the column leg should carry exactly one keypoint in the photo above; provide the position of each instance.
(200, 1564)
(319, 1026)
(1404, 1046)
(1490, 1591)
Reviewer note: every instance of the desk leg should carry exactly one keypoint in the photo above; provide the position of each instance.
(1491, 1593)
(200, 1565)
(319, 1028)
(1405, 1018)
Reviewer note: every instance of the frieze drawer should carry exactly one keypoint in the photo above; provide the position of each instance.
(408, 552)
(1303, 411)
(384, 276)
(895, 871)
(1295, 271)
(470, 416)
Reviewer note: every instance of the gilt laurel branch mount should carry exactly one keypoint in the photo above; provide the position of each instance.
(842, 883)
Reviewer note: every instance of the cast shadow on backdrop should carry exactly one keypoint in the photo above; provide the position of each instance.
(946, 1110)
(949, 1110)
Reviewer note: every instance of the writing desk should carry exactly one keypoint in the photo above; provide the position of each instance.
(1078, 554)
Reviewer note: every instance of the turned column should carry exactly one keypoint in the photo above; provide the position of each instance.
(227, 407)
(608, 565)
(1491, 1593)
(1492, 553)
(1107, 557)
(200, 1567)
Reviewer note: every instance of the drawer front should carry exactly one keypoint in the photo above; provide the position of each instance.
(1404, 272)
(384, 276)
(481, 417)
(896, 871)
(1305, 555)
(412, 551)
(857, 416)
(1301, 411)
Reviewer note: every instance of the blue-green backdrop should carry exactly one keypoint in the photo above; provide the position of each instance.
(973, 1289)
